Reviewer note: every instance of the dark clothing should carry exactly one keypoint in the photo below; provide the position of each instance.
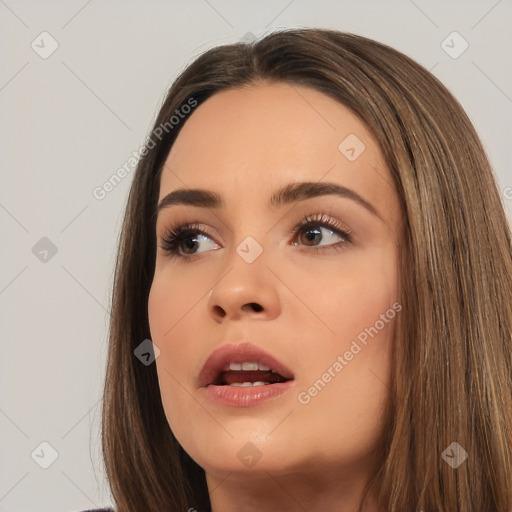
(100, 510)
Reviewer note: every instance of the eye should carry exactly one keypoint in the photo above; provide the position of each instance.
(188, 240)
(310, 231)
(182, 241)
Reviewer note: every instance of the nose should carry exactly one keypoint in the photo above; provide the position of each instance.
(245, 291)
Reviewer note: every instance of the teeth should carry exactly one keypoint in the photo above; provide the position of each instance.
(249, 366)
(248, 384)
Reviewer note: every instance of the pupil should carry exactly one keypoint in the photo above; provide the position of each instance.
(190, 243)
(312, 233)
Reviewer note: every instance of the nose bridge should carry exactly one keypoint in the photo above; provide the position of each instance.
(246, 286)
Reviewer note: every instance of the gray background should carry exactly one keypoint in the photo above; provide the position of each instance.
(70, 120)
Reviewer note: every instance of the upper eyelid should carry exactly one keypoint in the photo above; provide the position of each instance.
(172, 236)
(319, 216)
(195, 227)
(324, 220)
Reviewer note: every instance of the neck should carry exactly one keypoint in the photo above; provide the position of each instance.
(297, 492)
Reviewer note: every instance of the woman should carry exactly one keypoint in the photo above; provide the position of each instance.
(316, 247)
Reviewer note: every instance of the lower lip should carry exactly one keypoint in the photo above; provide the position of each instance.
(236, 396)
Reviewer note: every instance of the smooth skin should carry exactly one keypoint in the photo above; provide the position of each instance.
(316, 290)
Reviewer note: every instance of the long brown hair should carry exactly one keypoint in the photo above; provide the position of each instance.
(452, 363)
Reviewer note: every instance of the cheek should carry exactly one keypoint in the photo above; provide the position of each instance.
(348, 375)
(362, 301)
(175, 302)
(172, 297)
(366, 327)
(173, 307)
(350, 298)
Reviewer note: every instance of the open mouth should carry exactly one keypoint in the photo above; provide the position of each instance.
(243, 365)
(244, 375)
(248, 374)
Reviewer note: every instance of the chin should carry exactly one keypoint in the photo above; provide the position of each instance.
(244, 455)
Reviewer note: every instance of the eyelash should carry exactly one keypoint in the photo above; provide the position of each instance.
(175, 235)
(325, 221)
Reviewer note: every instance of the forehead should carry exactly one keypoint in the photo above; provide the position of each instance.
(247, 142)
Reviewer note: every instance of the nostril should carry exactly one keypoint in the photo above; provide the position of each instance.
(219, 311)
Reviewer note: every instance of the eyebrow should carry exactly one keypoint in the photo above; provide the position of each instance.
(291, 193)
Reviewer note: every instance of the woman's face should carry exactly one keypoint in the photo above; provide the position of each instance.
(321, 299)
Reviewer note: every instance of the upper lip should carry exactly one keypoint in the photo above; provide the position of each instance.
(243, 352)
